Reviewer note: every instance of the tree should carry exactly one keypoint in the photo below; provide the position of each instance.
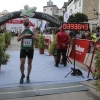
(78, 17)
(53, 25)
(59, 17)
(96, 74)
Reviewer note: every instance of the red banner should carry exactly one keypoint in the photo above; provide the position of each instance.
(80, 50)
(17, 21)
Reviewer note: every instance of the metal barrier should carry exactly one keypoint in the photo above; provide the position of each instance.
(81, 48)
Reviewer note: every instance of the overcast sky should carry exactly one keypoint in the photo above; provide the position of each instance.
(16, 5)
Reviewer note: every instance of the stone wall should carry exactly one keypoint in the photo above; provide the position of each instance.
(88, 6)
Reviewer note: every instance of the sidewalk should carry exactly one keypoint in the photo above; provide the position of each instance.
(82, 95)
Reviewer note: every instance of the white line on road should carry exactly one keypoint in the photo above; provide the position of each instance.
(40, 89)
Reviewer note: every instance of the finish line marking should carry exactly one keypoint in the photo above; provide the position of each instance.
(41, 89)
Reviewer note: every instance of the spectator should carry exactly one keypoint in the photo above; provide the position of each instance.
(62, 41)
(83, 35)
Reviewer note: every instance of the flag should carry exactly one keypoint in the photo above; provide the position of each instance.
(66, 16)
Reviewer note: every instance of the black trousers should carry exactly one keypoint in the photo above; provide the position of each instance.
(59, 52)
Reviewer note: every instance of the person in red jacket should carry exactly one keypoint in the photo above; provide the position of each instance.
(62, 40)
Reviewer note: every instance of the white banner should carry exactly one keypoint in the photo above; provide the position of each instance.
(66, 16)
(43, 25)
(13, 27)
(15, 24)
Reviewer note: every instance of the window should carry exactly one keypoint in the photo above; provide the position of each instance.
(80, 3)
(75, 6)
(71, 11)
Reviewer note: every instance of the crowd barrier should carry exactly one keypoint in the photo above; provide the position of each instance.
(81, 52)
(81, 48)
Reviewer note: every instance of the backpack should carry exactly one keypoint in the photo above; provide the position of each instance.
(77, 72)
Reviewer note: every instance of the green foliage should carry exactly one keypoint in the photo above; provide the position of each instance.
(60, 18)
(71, 18)
(41, 44)
(7, 37)
(97, 73)
(5, 59)
(53, 50)
(78, 17)
(2, 46)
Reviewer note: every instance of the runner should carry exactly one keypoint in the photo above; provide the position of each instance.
(26, 36)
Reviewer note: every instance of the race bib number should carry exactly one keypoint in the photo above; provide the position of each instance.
(27, 42)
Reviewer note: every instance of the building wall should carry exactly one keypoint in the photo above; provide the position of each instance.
(70, 8)
(55, 11)
(65, 5)
(48, 10)
(60, 12)
(88, 6)
(49, 3)
(75, 6)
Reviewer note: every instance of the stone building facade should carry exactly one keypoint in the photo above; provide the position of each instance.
(88, 7)
(52, 9)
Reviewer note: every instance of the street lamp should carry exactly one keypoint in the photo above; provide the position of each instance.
(96, 13)
(63, 9)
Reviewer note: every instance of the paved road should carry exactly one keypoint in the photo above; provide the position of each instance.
(82, 95)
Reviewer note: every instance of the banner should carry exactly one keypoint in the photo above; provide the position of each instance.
(43, 25)
(66, 16)
(15, 24)
(18, 21)
(81, 48)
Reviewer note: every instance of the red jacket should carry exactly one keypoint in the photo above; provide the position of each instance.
(62, 38)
